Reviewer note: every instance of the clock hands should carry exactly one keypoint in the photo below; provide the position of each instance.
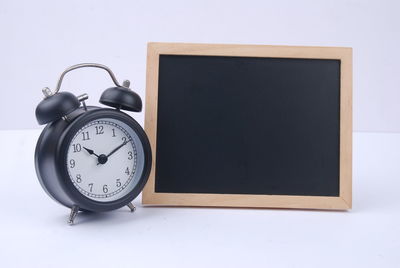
(119, 147)
(91, 152)
(103, 158)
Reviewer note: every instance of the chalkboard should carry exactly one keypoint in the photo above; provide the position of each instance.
(247, 126)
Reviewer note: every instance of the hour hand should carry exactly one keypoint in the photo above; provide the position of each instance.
(91, 152)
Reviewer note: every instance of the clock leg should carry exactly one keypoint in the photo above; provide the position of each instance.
(72, 215)
(131, 207)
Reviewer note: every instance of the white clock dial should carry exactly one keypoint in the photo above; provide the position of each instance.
(105, 159)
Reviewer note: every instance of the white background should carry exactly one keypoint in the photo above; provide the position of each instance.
(34, 230)
(39, 39)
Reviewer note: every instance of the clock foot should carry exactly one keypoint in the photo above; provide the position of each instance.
(72, 215)
(131, 207)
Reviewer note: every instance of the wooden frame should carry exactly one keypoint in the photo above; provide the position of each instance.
(341, 202)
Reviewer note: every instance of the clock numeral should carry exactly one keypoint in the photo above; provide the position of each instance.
(113, 131)
(130, 155)
(127, 171)
(99, 130)
(90, 187)
(77, 147)
(124, 139)
(78, 178)
(72, 163)
(119, 183)
(85, 135)
(105, 188)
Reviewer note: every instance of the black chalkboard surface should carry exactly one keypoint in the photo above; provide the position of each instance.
(248, 125)
(235, 125)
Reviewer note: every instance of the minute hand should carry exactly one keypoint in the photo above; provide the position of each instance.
(116, 149)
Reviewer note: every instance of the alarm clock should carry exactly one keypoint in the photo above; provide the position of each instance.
(89, 158)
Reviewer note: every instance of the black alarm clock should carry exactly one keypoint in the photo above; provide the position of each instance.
(89, 158)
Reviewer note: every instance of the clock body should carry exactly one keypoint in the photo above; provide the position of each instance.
(98, 159)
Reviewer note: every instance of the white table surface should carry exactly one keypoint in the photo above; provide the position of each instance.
(34, 232)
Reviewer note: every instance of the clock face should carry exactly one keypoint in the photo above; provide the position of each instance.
(105, 160)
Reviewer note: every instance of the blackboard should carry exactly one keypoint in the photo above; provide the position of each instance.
(248, 126)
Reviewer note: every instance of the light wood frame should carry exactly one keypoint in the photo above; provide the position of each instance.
(341, 202)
